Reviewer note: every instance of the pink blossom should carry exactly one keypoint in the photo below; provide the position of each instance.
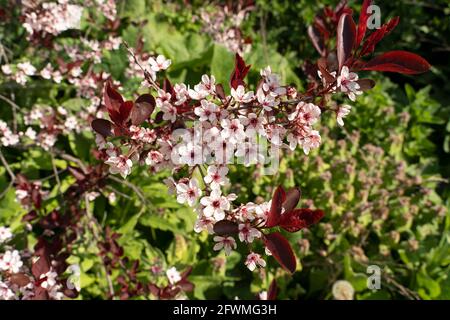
(254, 260)
(216, 176)
(307, 113)
(240, 95)
(5, 234)
(232, 130)
(120, 164)
(188, 193)
(215, 205)
(266, 101)
(247, 233)
(160, 63)
(173, 275)
(342, 112)
(207, 111)
(226, 243)
(11, 261)
(347, 82)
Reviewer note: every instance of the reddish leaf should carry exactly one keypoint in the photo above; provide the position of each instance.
(186, 285)
(125, 110)
(275, 210)
(20, 279)
(281, 251)
(41, 266)
(346, 34)
(143, 108)
(102, 126)
(220, 91)
(398, 61)
(362, 23)
(113, 100)
(366, 84)
(292, 198)
(77, 173)
(36, 197)
(225, 227)
(273, 290)
(317, 40)
(30, 216)
(239, 73)
(378, 35)
(167, 87)
(300, 218)
(40, 294)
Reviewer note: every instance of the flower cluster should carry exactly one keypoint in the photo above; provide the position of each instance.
(7, 137)
(24, 277)
(19, 73)
(51, 17)
(202, 129)
(223, 26)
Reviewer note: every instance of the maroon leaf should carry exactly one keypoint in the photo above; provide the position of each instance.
(317, 40)
(220, 91)
(377, 36)
(362, 23)
(30, 216)
(20, 279)
(292, 198)
(36, 197)
(300, 218)
(41, 266)
(366, 84)
(275, 209)
(102, 126)
(398, 61)
(125, 111)
(273, 290)
(167, 87)
(113, 100)
(281, 251)
(143, 108)
(346, 34)
(40, 294)
(239, 73)
(77, 173)
(225, 227)
(186, 285)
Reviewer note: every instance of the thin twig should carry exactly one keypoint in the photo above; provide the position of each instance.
(7, 167)
(118, 192)
(132, 186)
(55, 172)
(10, 102)
(95, 223)
(68, 157)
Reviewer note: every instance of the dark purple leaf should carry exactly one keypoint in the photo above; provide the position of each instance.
(275, 209)
(102, 127)
(377, 36)
(346, 35)
(366, 84)
(41, 266)
(362, 23)
(273, 290)
(317, 40)
(281, 251)
(225, 227)
(143, 108)
(398, 61)
(299, 219)
(292, 198)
